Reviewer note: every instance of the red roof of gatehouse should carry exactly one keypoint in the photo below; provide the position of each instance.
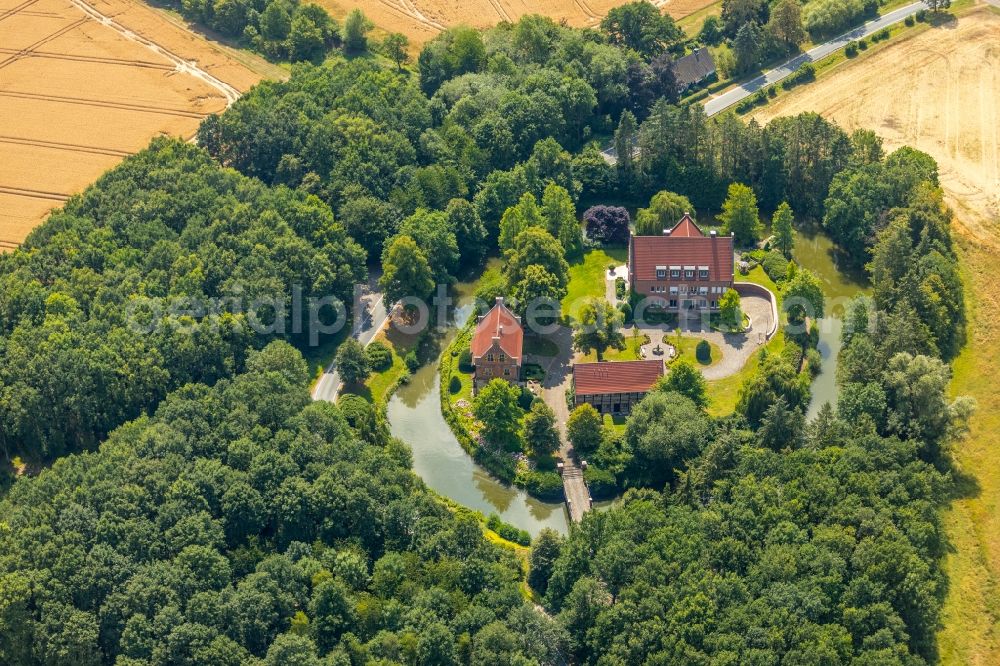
(500, 325)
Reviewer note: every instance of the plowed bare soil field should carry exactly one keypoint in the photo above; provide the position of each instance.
(939, 91)
(421, 20)
(78, 95)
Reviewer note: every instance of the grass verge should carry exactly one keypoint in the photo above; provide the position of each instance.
(970, 617)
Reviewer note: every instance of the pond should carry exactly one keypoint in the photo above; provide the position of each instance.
(414, 414)
(815, 251)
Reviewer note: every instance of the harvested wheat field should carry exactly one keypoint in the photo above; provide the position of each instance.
(940, 91)
(78, 93)
(421, 20)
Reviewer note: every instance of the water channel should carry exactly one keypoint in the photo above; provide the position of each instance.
(414, 414)
(815, 251)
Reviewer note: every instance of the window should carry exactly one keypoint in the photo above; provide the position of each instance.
(703, 273)
(673, 302)
(701, 290)
(489, 357)
(703, 303)
(488, 372)
(652, 289)
(506, 372)
(715, 304)
(660, 273)
(503, 357)
(689, 274)
(675, 273)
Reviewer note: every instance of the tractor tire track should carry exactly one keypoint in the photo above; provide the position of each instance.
(44, 40)
(14, 10)
(57, 145)
(94, 59)
(123, 106)
(587, 9)
(33, 194)
(501, 11)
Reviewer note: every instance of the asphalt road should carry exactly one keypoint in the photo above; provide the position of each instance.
(724, 101)
(329, 382)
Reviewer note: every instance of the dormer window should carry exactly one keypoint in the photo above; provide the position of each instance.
(675, 272)
(661, 272)
(703, 273)
(689, 274)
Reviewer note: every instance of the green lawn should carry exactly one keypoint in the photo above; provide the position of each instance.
(615, 424)
(723, 394)
(587, 276)
(686, 347)
(464, 391)
(629, 353)
(758, 276)
(377, 386)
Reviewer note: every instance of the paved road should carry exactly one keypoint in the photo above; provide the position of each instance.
(558, 376)
(717, 104)
(329, 382)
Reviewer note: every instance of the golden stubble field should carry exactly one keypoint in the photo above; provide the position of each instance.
(940, 92)
(421, 20)
(77, 96)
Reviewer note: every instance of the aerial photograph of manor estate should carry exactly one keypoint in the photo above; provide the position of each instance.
(497, 332)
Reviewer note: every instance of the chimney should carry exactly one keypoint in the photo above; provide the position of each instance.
(666, 232)
(496, 340)
(713, 233)
(499, 332)
(499, 300)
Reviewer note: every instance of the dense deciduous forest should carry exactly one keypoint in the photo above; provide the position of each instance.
(243, 523)
(208, 513)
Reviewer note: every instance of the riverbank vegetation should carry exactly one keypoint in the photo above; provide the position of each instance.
(209, 512)
(843, 511)
(513, 458)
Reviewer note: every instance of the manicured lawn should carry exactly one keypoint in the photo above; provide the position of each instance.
(464, 391)
(686, 348)
(587, 276)
(758, 276)
(630, 353)
(615, 424)
(723, 394)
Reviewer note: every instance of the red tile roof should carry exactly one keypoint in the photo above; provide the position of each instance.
(686, 228)
(687, 247)
(616, 377)
(499, 323)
